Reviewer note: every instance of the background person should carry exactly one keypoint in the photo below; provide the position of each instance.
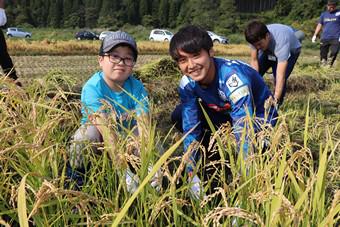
(5, 60)
(329, 23)
(223, 86)
(273, 46)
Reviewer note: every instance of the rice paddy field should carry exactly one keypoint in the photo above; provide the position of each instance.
(295, 182)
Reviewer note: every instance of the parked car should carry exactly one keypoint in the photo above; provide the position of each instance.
(160, 35)
(218, 38)
(18, 32)
(86, 35)
(104, 34)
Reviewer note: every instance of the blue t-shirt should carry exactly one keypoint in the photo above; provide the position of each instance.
(330, 25)
(235, 83)
(133, 98)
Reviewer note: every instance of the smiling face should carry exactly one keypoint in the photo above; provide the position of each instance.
(262, 44)
(115, 74)
(198, 66)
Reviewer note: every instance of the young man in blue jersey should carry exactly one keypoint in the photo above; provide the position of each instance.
(228, 90)
(329, 22)
(111, 93)
(273, 46)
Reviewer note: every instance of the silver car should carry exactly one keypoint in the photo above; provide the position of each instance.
(18, 32)
(160, 35)
(104, 34)
(218, 38)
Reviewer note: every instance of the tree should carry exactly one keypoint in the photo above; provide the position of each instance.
(39, 12)
(283, 7)
(55, 16)
(131, 11)
(228, 17)
(143, 8)
(155, 8)
(109, 13)
(163, 13)
(174, 9)
(91, 17)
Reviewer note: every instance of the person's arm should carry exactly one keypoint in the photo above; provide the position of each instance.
(190, 121)
(280, 79)
(94, 109)
(100, 120)
(142, 111)
(316, 32)
(3, 18)
(253, 59)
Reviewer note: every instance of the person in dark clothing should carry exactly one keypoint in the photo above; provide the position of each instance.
(5, 60)
(329, 23)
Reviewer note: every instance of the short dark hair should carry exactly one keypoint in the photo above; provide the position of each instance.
(190, 39)
(332, 2)
(255, 31)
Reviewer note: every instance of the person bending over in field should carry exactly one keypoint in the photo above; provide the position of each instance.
(273, 46)
(111, 93)
(228, 90)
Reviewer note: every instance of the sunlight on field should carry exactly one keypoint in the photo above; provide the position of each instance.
(294, 183)
(74, 47)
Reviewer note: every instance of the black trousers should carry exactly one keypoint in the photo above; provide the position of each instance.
(217, 118)
(333, 46)
(5, 60)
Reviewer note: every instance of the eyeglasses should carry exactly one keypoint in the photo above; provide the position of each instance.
(116, 59)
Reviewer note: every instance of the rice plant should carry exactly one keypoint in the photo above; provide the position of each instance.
(294, 182)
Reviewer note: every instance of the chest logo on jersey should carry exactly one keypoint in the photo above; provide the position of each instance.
(337, 14)
(234, 82)
(329, 19)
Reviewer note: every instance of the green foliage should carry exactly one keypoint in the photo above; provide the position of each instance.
(147, 21)
(217, 15)
(163, 13)
(228, 21)
(91, 17)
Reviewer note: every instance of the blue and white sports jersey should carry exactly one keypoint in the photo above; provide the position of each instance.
(237, 86)
(133, 98)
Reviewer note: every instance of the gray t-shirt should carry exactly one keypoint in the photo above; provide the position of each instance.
(282, 41)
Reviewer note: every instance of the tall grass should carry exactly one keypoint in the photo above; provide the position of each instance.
(293, 183)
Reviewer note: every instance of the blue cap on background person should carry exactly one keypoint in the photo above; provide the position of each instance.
(118, 38)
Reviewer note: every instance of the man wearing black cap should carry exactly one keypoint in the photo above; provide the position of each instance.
(110, 93)
(329, 22)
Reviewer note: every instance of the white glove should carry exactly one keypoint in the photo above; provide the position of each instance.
(132, 181)
(314, 39)
(156, 180)
(196, 188)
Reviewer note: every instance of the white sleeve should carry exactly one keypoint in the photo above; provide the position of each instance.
(3, 18)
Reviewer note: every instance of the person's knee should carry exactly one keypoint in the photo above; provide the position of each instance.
(82, 137)
(88, 133)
